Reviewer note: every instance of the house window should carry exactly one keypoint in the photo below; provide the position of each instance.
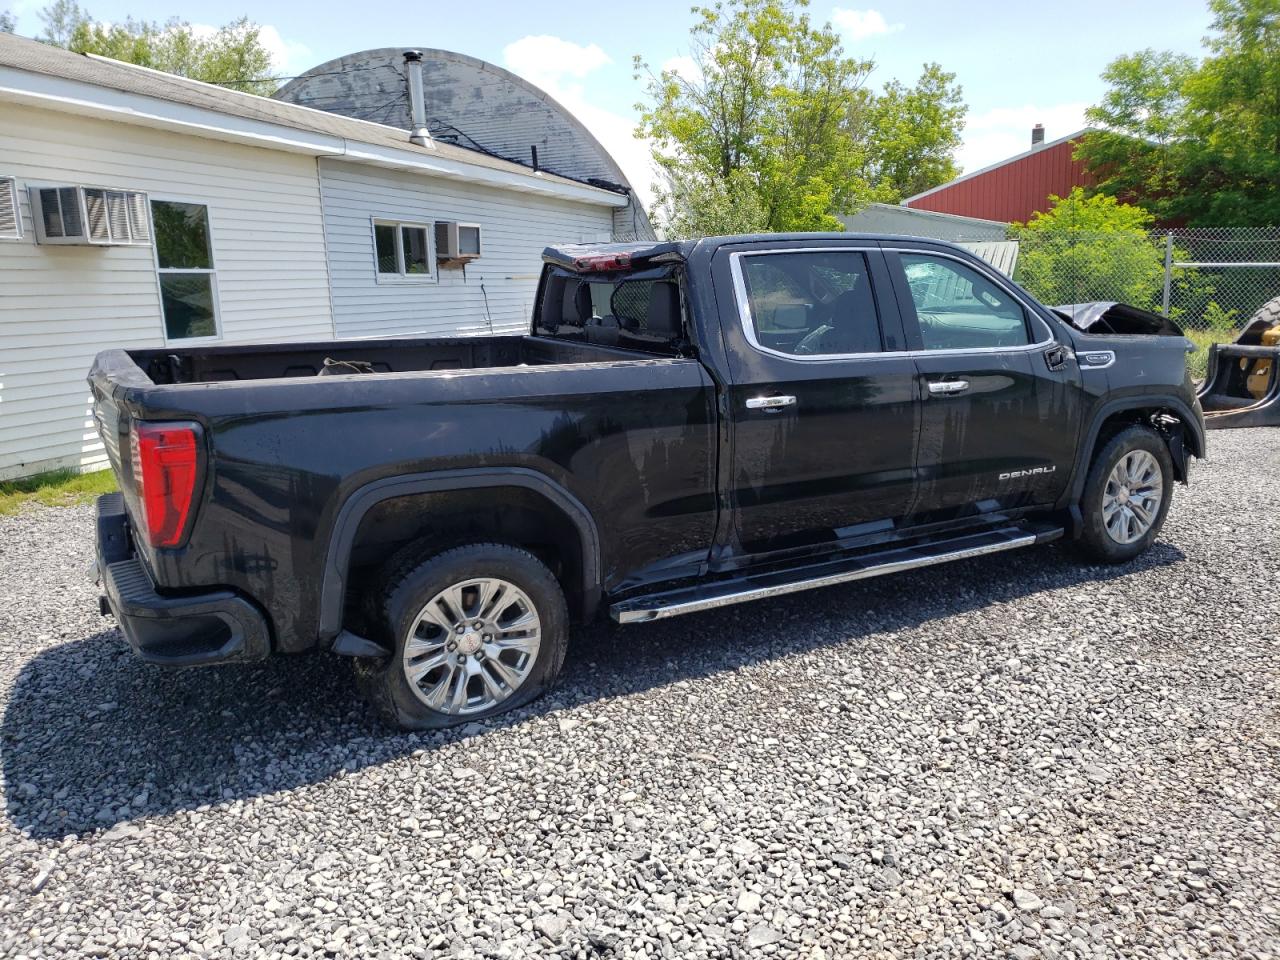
(402, 250)
(184, 259)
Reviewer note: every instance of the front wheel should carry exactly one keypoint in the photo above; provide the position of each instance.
(1126, 495)
(477, 630)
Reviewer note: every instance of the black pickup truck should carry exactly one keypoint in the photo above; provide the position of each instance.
(686, 425)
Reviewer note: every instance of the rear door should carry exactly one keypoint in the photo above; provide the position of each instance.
(995, 433)
(822, 403)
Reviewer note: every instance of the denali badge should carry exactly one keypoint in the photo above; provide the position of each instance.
(1015, 474)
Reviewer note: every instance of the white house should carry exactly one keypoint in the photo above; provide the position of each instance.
(140, 209)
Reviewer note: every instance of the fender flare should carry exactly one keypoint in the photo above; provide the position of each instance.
(1080, 471)
(347, 522)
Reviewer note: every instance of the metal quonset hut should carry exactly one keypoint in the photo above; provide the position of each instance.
(1012, 189)
(476, 105)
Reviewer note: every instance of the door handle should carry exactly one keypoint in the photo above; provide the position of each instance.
(945, 387)
(770, 403)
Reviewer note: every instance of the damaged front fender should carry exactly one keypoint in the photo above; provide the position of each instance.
(1117, 319)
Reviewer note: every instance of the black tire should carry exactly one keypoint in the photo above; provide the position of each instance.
(411, 585)
(1095, 541)
(1268, 312)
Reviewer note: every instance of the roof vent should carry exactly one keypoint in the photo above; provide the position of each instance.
(417, 98)
(1037, 136)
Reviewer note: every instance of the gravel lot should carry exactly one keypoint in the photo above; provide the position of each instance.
(1016, 756)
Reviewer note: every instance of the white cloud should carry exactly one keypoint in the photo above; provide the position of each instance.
(288, 57)
(686, 67)
(547, 60)
(860, 24)
(559, 67)
(1005, 132)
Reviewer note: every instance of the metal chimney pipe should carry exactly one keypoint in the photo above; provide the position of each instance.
(1037, 136)
(417, 99)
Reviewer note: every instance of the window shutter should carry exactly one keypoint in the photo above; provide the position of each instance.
(10, 213)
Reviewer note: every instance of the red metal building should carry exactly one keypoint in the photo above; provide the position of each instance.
(1012, 189)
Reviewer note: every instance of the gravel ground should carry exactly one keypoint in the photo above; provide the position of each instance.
(1015, 756)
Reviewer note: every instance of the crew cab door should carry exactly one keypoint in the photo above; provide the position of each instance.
(821, 404)
(998, 427)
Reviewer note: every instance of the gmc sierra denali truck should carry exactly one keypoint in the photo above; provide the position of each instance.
(685, 425)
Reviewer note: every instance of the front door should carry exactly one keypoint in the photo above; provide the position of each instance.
(822, 405)
(990, 379)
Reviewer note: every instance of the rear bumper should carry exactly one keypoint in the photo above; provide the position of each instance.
(216, 626)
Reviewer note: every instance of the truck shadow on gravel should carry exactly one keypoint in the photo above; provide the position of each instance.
(93, 738)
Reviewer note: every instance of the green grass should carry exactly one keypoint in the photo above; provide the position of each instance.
(58, 488)
(1198, 362)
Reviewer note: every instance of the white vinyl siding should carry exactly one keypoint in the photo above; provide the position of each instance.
(516, 228)
(61, 305)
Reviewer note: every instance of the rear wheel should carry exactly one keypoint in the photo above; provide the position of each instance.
(477, 631)
(1126, 495)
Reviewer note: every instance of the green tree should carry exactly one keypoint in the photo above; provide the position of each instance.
(1197, 141)
(232, 56)
(1141, 125)
(60, 20)
(7, 23)
(1090, 248)
(912, 133)
(762, 125)
(690, 205)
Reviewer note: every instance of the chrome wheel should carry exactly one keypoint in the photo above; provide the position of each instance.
(472, 646)
(1131, 498)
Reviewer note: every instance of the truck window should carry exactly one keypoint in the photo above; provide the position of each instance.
(638, 311)
(811, 303)
(958, 308)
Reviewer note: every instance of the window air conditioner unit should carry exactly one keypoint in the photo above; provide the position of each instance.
(90, 216)
(457, 241)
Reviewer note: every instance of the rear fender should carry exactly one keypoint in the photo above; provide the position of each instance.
(347, 524)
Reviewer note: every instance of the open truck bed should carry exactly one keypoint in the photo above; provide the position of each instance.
(274, 361)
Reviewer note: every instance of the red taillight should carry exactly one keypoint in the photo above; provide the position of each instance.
(601, 262)
(166, 463)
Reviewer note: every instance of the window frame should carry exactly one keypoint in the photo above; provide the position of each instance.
(402, 277)
(745, 317)
(211, 270)
(897, 276)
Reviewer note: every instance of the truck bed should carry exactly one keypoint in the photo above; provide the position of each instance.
(216, 364)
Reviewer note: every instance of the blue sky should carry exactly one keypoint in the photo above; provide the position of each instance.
(1019, 62)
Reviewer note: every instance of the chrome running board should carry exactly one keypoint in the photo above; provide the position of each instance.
(708, 596)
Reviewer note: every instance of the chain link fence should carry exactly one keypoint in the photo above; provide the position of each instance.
(1210, 280)
(1206, 279)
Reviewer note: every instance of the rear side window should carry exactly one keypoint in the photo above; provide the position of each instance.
(640, 311)
(811, 303)
(958, 308)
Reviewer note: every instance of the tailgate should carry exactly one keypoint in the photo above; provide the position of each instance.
(113, 371)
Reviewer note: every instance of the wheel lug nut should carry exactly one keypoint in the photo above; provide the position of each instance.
(460, 628)
(487, 638)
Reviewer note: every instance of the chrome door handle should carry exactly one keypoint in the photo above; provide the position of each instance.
(770, 403)
(944, 387)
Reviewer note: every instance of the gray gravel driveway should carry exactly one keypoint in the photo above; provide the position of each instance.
(1015, 756)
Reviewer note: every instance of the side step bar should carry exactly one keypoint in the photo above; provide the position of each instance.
(673, 603)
